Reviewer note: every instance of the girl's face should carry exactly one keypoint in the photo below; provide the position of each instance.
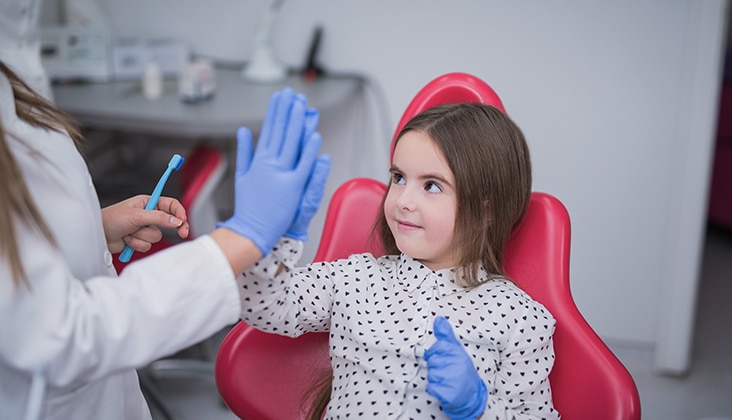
(421, 204)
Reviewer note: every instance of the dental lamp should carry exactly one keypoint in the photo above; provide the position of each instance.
(264, 67)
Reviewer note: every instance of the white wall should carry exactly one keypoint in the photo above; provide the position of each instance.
(617, 100)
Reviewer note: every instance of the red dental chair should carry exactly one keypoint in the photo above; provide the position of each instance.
(262, 376)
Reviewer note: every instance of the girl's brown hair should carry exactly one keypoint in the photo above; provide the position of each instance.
(489, 157)
(15, 199)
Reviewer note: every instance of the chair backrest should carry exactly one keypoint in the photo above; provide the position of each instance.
(447, 89)
(587, 381)
(201, 173)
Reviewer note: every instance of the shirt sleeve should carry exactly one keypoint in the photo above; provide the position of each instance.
(279, 298)
(80, 331)
(520, 388)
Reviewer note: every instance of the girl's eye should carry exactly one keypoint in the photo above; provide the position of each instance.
(432, 187)
(397, 178)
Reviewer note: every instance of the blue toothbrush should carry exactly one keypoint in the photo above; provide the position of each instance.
(175, 163)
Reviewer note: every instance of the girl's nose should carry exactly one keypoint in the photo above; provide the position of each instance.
(405, 200)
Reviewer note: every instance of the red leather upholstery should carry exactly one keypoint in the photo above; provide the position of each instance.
(447, 89)
(197, 171)
(263, 376)
(588, 381)
(201, 173)
(360, 199)
(720, 199)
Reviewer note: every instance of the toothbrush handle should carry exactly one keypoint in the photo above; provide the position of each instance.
(151, 203)
(155, 196)
(126, 254)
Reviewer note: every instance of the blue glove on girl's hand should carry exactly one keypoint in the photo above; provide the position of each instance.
(452, 377)
(315, 187)
(269, 186)
(310, 200)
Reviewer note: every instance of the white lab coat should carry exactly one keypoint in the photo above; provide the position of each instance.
(20, 42)
(88, 328)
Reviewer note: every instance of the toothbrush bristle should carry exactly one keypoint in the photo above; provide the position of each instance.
(176, 161)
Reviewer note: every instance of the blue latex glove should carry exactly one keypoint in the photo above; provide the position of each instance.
(452, 377)
(315, 188)
(269, 186)
(310, 200)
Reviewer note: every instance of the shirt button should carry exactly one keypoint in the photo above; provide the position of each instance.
(108, 258)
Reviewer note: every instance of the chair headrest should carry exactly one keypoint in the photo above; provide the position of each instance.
(448, 88)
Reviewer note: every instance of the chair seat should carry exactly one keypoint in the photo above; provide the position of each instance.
(268, 380)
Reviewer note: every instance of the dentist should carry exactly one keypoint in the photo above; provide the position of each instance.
(72, 332)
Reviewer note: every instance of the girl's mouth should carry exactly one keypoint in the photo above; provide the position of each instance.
(405, 225)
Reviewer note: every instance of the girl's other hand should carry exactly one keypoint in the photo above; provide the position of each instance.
(452, 377)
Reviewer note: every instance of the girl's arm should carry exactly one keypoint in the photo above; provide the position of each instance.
(521, 387)
(280, 298)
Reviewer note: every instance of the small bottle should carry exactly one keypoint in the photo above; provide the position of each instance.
(152, 82)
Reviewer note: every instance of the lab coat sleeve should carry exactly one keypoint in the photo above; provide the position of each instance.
(84, 330)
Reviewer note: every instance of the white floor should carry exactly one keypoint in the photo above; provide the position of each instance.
(705, 393)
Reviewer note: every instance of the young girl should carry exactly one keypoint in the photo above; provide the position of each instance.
(434, 329)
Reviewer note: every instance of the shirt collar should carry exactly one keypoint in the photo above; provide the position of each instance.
(412, 275)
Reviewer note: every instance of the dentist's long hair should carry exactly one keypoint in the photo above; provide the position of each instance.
(16, 203)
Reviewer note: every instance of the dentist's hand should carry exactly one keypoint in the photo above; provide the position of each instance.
(452, 377)
(128, 223)
(269, 186)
